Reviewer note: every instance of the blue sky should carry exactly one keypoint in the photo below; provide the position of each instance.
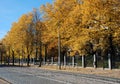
(12, 10)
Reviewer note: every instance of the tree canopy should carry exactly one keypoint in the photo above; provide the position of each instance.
(86, 26)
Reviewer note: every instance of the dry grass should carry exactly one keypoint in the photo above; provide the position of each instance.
(115, 73)
(3, 81)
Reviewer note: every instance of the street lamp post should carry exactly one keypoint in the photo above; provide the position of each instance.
(59, 49)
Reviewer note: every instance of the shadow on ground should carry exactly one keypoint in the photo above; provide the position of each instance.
(3, 65)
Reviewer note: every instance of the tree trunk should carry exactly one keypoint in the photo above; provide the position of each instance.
(13, 58)
(40, 61)
(19, 60)
(59, 50)
(40, 57)
(83, 61)
(111, 52)
(22, 57)
(1, 57)
(9, 57)
(8, 60)
(103, 62)
(45, 53)
(36, 54)
(109, 62)
(73, 61)
(64, 60)
(95, 61)
(4, 60)
(52, 60)
(28, 60)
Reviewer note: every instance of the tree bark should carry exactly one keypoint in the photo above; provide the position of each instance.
(64, 60)
(19, 59)
(36, 54)
(1, 57)
(40, 57)
(13, 58)
(45, 53)
(28, 60)
(9, 57)
(95, 61)
(111, 51)
(109, 62)
(52, 60)
(83, 61)
(73, 61)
